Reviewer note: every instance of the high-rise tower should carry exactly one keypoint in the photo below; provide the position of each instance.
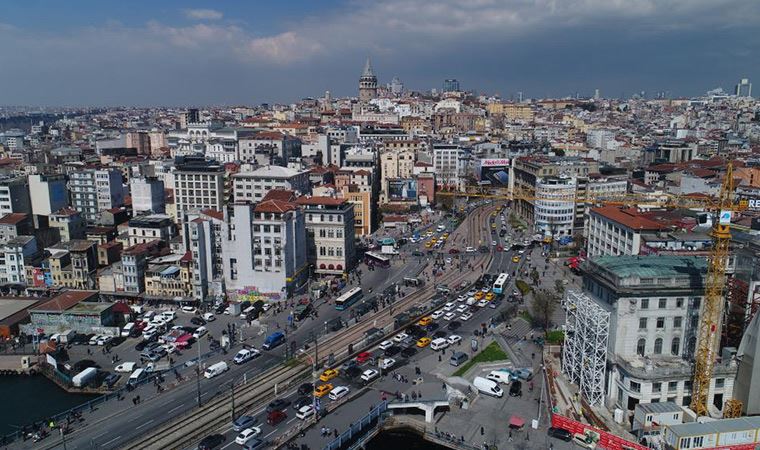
(367, 83)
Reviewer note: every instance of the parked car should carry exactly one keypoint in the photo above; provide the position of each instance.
(515, 389)
(301, 402)
(369, 375)
(560, 433)
(385, 344)
(197, 321)
(454, 339)
(328, 375)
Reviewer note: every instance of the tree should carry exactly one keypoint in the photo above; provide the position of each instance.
(542, 307)
(535, 276)
(559, 286)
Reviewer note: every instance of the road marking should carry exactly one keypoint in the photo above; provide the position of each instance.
(176, 407)
(112, 440)
(232, 442)
(145, 424)
(271, 433)
(288, 422)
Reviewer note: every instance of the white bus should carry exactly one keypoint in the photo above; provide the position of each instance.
(348, 299)
(500, 283)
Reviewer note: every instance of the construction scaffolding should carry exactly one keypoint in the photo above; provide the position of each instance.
(584, 357)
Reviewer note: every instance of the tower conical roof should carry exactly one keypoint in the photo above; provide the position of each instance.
(368, 69)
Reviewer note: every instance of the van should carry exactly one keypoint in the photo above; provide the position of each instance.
(488, 387)
(441, 228)
(439, 344)
(499, 377)
(458, 358)
(215, 369)
(137, 376)
(127, 330)
(273, 340)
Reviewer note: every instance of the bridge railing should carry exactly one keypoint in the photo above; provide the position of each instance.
(357, 428)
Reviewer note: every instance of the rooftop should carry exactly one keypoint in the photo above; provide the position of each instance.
(66, 300)
(11, 306)
(326, 201)
(628, 217)
(274, 206)
(13, 218)
(87, 308)
(717, 426)
(628, 266)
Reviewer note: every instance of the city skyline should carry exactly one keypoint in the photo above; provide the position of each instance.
(182, 53)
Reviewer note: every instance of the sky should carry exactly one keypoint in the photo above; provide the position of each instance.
(203, 53)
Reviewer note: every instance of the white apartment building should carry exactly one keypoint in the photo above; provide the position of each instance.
(147, 195)
(613, 230)
(554, 209)
(14, 196)
(15, 254)
(200, 238)
(267, 148)
(446, 160)
(96, 190)
(329, 234)
(394, 164)
(252, 186)
(265, 248)
(198, 184)
(655, 304)
(144, 229)
(48, 193)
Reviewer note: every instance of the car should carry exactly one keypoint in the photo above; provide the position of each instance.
(278, 405)
(328, 375)
(584, 441)
(170, 348)
(482, 303)
(471, 293)
(470, 250)
(461, 298)
(560, 433)
(111, 379)
(437, 314)
(462, 308)
(499, 248)
(438, 334)
(211, 442)
(301, 402)
(454, 339)
(423, 342)
(453, 251)
(125, 367)
(322, 390)
(276, 416)
(189, 309)
(465, 317)
(247, 434)
(338, 393)
(305, 412)
(387, 363)
(493, 243)
(201, 331)
(197, 321)
(515, 259)
(485, 290)
(305, 388)
(515, 389)
(392, 350)
(449, 306)
(494, 304)
(425, 321)
(243, 422)
(409, 352)
(209, 317)
(347, 365)
(369, 375)
(455, 325)
(94, 339)
(417, 253)
(400, 337)
(478, 295)
(449, 316)
(245, 355)
(490, 296)
(385, 344)
(363, 357)
(352, 372)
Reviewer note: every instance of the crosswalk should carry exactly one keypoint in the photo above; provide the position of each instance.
(519, 328)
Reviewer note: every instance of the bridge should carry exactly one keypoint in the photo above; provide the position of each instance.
(428, 406)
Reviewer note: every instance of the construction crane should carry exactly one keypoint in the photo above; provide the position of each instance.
(714, 304)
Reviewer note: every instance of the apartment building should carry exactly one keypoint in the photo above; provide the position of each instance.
(69, 223)
(48, 193)
(614, 230)
(446, 160)
(148, 228)
(252, 186)
(73, 264)
(14, 195)
(329, 234)
(198, 184)
(15, 254)
(394, 164)
(96, 190)
(147, 195)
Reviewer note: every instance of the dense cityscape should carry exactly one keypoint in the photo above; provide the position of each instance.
(424, 268)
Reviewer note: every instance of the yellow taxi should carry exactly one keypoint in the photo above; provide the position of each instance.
(515, 259)
(425, 321)
(479, 295)
(328, 374)
(428, 244)
(445, 235)
(493, 226)
(433, 240)
(322, 390)
(489, 296)
(423, 342)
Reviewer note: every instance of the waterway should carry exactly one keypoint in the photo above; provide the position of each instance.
(402, 439)
(26, 399)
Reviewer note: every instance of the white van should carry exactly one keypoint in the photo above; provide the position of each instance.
(471, 301)
(488, 387)
(127, 329)
(215, 369)
(137, 376)
(441, 228)
(499, 376)
(439, 344)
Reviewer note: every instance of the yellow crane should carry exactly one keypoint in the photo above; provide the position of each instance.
(709, 327)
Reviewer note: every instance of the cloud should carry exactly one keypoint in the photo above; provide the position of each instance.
(283, 48)
(202, 14)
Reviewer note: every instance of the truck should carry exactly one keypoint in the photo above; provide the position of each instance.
(83, 377)
(215, 369)
(273, 340)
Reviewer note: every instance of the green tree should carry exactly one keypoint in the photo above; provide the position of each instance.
(559, 286)
(535, 276)
(542, 307)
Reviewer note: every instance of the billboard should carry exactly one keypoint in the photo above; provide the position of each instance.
(402, 189)
(494, 172)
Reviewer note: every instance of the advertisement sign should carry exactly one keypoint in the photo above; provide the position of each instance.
(497, 162)
(494, 172)
(252, 294)
(402, 189)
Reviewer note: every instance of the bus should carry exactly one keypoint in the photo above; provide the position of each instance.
(500, 283)
(376, 259)
(408, 281)
(348, 299)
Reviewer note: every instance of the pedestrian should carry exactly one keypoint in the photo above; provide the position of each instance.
(335, 433)
(322, 431)
(510, 435)
(482, 430)
(419, 394)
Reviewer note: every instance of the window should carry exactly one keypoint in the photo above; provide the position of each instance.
(658, 346)
(720, 382)
(672, 386)
(677, 321)
(644, 303)
(675, 346)
(642, 323)
(635, 387)
(656, 387)
(663, 303)
(660, 322)
(679, 302)
(641, 346)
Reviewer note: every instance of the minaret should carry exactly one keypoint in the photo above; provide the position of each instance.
(367, 84)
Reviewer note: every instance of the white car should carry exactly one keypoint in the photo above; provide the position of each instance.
(189, 309)
(461, 298)
(469, 250)
(482, 303)
(485, 290)
(493, 243)
(338, 392)
(448, 260)
(247, 434)
(462, 308)
(169, 315)
(201, 331)
(387, 363)
(170, 348)
(454, 339)
(398, 338)
(449, 316)
(209, 317)
(449, 306)
(103, 340)
(125, 367)
(465, 317)
(369, 375)
(385, 345)
(245, 355)
(437, 314)
(471, 293)
(305, 412)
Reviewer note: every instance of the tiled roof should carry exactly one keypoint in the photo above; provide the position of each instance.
(13, 218)
(66, 300)
(274, 206)
(328, 201)
(628, 217)
(283, 195)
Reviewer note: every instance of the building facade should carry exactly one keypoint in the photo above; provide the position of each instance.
(198, 184)
(329, 234)
(96, 190)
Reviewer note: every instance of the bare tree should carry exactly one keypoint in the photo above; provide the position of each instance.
(542, 307)
(559, 286)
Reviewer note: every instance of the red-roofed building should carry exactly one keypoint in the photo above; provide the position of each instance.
(72, 310)
(330, 234)
(615, 230)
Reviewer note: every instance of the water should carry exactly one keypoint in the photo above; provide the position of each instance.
(31, 398)
(404, 439)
